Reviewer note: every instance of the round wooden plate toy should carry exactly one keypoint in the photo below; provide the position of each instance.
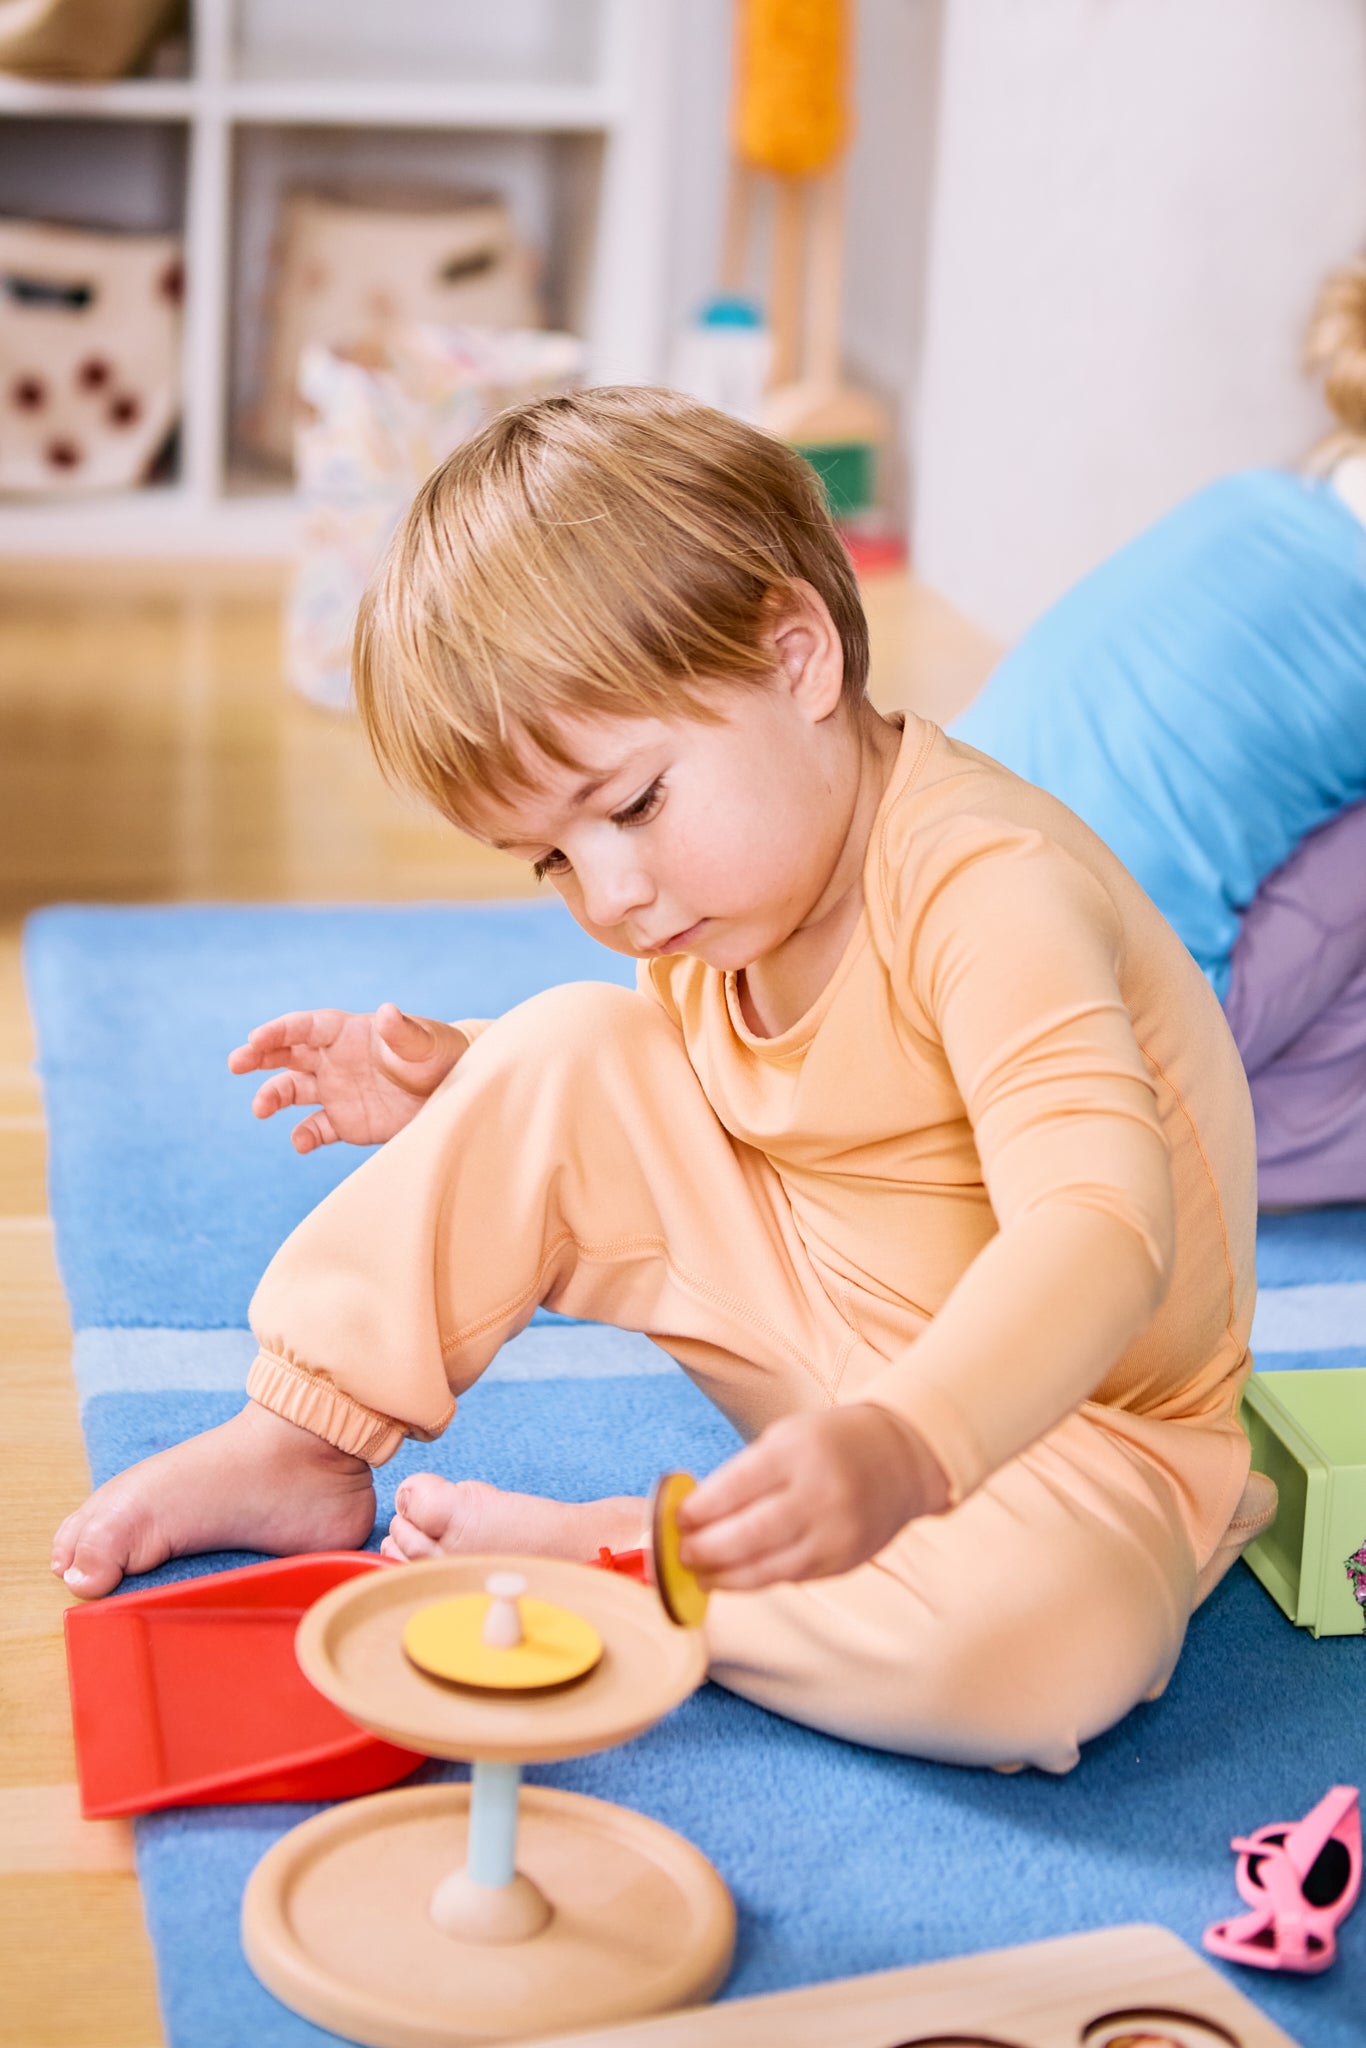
(449, 1914)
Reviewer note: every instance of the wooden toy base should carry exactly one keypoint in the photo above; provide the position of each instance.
(1121, 1987)
(337, 1921)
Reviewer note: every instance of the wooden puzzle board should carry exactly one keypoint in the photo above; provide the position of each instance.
(1123, 1987)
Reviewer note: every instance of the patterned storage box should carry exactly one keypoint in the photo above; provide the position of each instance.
(89, 356)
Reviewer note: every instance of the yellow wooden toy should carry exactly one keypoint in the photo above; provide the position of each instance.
(499, 1639)
(791, 114)
(683, 1598)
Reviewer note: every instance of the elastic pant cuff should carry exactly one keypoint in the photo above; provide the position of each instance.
(312, 1401)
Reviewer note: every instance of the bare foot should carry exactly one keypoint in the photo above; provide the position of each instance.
(436, 1516)
(255, 1483)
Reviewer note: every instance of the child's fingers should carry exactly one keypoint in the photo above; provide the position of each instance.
(408, 1038)
(751, 1473)
(252, 1059)
(766, 1526)
(315, 1130)
(284, 1091)
(312, 1028)
(770, 1570)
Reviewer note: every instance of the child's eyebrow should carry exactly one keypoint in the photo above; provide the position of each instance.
(581, 795)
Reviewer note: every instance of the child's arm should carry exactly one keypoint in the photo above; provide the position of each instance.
(369, 1074)
(1012, 965)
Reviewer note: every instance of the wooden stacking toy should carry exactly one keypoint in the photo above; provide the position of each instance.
(790, 130)
(446, 1914)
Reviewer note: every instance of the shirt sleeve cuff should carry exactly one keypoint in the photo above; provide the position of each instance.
(311, 1400)
(937, 1421)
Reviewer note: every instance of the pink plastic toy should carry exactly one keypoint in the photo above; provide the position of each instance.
(1300, 1880)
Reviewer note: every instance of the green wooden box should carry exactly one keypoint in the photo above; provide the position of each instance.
(1308, 1433)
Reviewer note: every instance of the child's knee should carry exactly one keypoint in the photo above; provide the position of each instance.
(576, 1023)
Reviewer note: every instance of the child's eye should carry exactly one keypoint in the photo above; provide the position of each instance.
(637, 813)
(644, 807)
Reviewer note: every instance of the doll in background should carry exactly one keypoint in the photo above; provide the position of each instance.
(1200, 699)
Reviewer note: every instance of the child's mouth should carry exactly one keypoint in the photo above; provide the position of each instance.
(678, 942)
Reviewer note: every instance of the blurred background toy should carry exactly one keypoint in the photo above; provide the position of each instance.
(89, 356)
(374, 421)
(792, 124)
(80, 38)
(351, 268)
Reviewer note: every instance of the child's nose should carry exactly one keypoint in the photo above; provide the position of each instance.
(612, 890)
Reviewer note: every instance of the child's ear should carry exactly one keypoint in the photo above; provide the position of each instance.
(810, 653)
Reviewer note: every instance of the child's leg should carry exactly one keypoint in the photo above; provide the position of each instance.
(1006, 1632)
(1297, 1007)
(571, 1158)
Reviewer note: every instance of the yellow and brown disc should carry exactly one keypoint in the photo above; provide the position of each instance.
(684, 1599)
(447, 1639)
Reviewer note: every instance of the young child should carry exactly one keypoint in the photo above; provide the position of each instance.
(923, 1146)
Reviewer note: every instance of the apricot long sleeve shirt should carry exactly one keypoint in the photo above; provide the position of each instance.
(1015, 1106)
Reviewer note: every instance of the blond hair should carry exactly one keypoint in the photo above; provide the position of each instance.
(1335, 349)
(616, 552)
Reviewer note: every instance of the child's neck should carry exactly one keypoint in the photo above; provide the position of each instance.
(775, 992)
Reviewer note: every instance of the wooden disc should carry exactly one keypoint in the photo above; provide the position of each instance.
(351, 1648)
(336, 1921)
(683, 1598)
(447, 1639)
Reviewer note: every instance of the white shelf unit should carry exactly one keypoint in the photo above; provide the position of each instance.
(617, 110)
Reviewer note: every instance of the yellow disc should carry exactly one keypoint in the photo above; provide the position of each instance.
(684, 1600)
(447, 1639)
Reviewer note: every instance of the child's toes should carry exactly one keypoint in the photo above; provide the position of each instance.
(111, 1533)
(449, 1511)
(406, 1543)
(94, 1566)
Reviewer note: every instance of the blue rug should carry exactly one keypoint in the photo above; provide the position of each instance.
(169, 1199)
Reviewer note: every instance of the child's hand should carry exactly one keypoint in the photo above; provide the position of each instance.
(370, 1075)
(812, 1496)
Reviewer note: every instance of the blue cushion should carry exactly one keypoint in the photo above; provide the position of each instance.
(1200, 699)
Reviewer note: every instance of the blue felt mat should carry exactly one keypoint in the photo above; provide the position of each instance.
(169, 1198)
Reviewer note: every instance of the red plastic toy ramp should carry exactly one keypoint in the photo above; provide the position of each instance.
(190, 1695)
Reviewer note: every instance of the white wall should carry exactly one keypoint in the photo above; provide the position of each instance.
(1133, 204)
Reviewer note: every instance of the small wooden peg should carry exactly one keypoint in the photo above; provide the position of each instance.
(503, 1623)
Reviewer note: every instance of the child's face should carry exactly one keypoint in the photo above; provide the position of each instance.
(715, 840)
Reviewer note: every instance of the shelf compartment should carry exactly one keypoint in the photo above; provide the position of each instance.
(519, 43)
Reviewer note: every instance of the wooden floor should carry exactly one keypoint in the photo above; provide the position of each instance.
(149, 753)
